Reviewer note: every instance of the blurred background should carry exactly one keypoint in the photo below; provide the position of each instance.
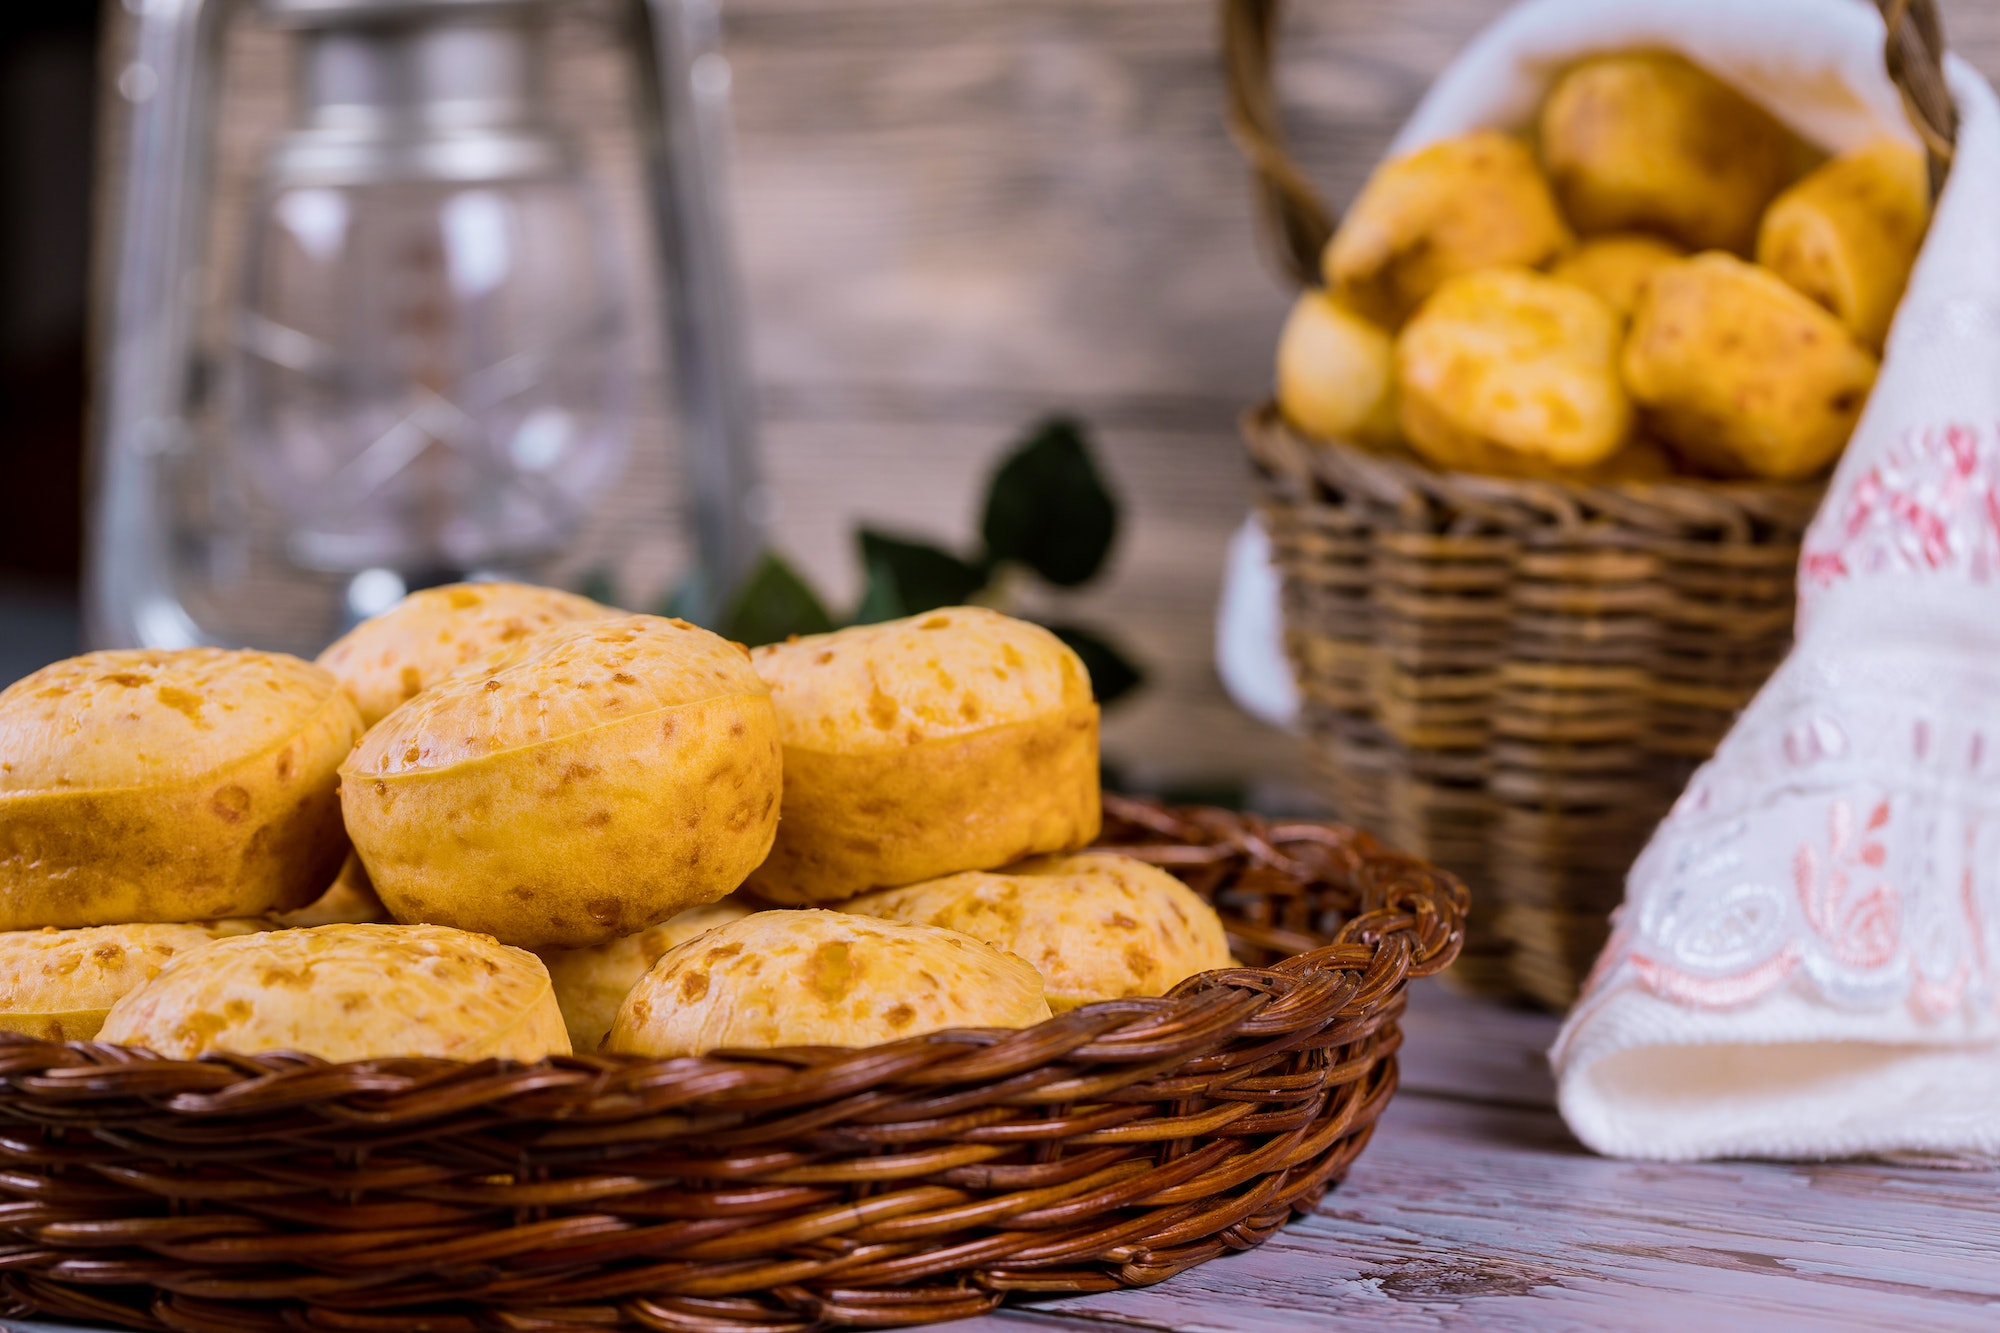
(951, 220)
(48, 118)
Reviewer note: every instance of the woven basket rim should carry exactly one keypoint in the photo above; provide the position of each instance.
(1681, 505)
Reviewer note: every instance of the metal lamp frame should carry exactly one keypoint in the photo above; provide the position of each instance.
(144, 345)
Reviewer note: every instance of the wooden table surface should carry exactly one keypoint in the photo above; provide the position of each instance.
(1474, 1209)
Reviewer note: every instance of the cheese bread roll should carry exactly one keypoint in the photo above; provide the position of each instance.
(347, 992)
(815, 978)
(580, 785)
(591, 983)
(169, 785)
(1456, 206)
(1649, 141)
(1741, 374)
(1098, 926)
(59, 984)
(961, 739)
(433, 632)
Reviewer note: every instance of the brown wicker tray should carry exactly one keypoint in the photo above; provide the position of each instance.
(1114, 1145)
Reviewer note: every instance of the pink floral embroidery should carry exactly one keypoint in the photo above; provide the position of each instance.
(1715, 992)
(1821, 568)
(1930, 504)
(1932, 1000)
(1863, 928)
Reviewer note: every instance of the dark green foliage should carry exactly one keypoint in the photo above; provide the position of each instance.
(1047, 507)
(773, 604)
(1112, 674)
(906, 578)
(599, 587)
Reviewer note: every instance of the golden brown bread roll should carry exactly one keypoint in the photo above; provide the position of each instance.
(347, 992)
(435, 631)
(1336, 373)
(1848, 234)
(810, 978)
(59, 984)
(1097, 926)
(583, 784)
(1617, 267)
(591, 983)
(157, 785)
(1649, 141)
(1458, 205)
(961, 739)
(1741, 374)
(1512, 372)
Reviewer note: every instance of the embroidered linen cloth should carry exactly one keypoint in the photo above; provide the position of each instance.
(1803, 964)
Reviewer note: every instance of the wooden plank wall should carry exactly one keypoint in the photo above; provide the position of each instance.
(959, 214)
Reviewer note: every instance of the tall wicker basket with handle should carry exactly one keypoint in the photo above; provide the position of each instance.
(1515, 678)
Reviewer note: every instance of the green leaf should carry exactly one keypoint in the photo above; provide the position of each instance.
(1112, 674)
(907, 578)
(1048, 508)
(773, 603)
(880, 598)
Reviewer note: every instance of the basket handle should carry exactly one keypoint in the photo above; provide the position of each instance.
(1297, 223)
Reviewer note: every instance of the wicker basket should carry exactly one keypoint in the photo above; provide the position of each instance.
(1514, 679)
(1112, 1146)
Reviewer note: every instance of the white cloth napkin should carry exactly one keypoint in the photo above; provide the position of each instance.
(1804, 963)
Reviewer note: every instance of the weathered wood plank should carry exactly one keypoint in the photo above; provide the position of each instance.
(1465, 1216)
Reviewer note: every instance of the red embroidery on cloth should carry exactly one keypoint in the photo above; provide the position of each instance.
(1715, 992)
(1932, 1000)
(1931, 504)
(1862, 929)
(1710, 943)
(1821, 568)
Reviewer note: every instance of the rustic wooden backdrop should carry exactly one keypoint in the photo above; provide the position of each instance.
(959, 214)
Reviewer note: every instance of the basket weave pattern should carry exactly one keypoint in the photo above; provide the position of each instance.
(1515, 678)
(1114, 1145)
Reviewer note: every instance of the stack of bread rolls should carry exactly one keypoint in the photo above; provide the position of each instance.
(504, 821)
(1663, 281)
